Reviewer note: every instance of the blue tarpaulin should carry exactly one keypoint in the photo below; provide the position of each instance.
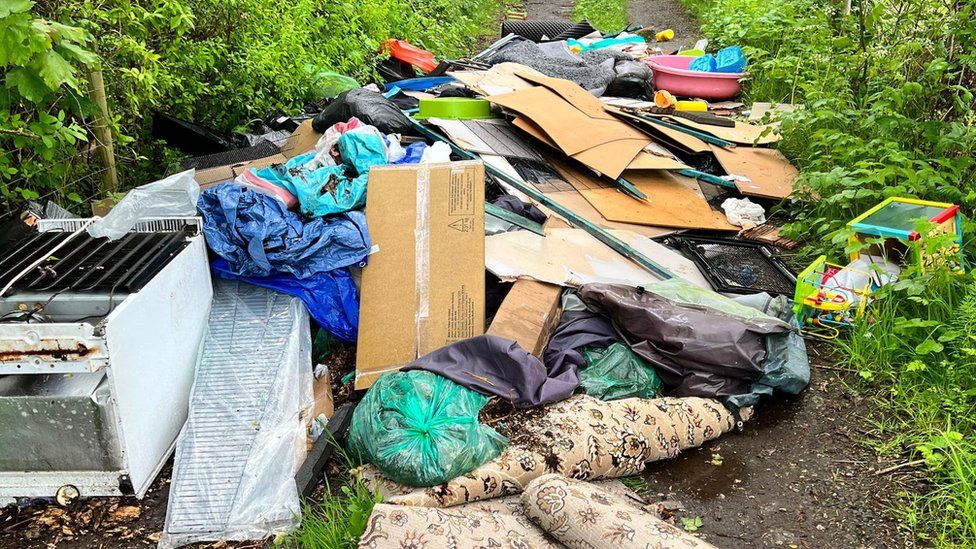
(259, 237)
(330, 297)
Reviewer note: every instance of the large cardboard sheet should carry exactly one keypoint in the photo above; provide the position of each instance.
(572, 128)
(572, 257)
(770, 174)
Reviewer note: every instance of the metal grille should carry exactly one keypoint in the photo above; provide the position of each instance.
(737, 267)
(160, 224)
(247, 339)
(89, 264)
(246, 154)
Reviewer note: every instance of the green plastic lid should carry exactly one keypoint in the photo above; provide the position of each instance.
(454, 108)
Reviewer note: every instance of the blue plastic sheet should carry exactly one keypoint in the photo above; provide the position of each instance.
(259, 237)
(330, 297)
(331, 189)
(415, 151)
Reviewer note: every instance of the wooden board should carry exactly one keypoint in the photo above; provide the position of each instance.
(770, 174)
(579, 205)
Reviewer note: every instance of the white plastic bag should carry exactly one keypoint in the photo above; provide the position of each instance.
(437, 153)
(174, 196)
(744, 213)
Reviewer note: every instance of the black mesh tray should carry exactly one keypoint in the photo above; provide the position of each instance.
(736, 266)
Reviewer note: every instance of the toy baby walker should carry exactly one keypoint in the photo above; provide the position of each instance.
(830, 296)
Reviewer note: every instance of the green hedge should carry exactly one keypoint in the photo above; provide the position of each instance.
(222, 63)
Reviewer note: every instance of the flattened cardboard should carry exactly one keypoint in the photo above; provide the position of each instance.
(302, 140)
(770, 174)
(425, 285)
(499, 79)
(219, 174)
(569, 127)
(742, 133)
(575, 202)
(528, 315)
(669, 136)
(572, 257)
(671, 202)
(611, 158)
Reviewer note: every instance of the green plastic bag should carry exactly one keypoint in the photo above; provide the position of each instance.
(617, 372)
(422, 429)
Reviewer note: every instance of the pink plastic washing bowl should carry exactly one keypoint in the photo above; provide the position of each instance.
(671, 73)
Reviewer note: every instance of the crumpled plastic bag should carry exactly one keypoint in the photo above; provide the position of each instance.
(330, 189)
(617, 372)
(174, 196)
(368, 106)
(421, 429)
(743, 212)
(258, 236)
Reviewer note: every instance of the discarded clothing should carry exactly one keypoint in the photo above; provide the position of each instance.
(571, 510)
(330, 297)
(330, 189)
(524, 209)
(368, 106)
(593, 70)
(581, 437)
(497, 366)
(617, 372)
(577, 329)
(259, 237)
(422, 429)
(701, 343)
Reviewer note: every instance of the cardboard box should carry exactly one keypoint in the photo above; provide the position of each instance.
(212, 176)
(424, 288)
(302, 140)
(529, 315)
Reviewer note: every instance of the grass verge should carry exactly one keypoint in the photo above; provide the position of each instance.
(606, 15)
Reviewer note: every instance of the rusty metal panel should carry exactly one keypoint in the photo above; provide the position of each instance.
(51, 349)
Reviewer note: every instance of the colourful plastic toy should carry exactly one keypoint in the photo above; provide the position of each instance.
(822, 304)
(895, 218)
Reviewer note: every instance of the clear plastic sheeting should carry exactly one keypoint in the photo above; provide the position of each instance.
(244, 439)
(174, 196)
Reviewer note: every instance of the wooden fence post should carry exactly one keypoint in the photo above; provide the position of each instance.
(103, 133)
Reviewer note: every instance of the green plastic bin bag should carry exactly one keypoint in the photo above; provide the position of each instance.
(422, 429)
(616, 372)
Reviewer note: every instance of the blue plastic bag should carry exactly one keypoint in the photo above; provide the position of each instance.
(331, 189)
(259, 237)
(330, 297)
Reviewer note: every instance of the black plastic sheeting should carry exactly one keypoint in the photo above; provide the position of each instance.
(696, 349)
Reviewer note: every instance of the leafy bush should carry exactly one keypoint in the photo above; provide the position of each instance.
(223, 63)
(889, 111)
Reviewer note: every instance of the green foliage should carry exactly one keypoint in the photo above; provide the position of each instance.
(40, 99)
(606, 15)
(887, 91)
(338, 521)
(222, 63)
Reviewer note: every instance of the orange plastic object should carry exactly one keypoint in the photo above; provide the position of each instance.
(664, 99)
(408, 53)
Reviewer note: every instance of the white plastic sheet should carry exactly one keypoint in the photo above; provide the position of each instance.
(174, 196)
